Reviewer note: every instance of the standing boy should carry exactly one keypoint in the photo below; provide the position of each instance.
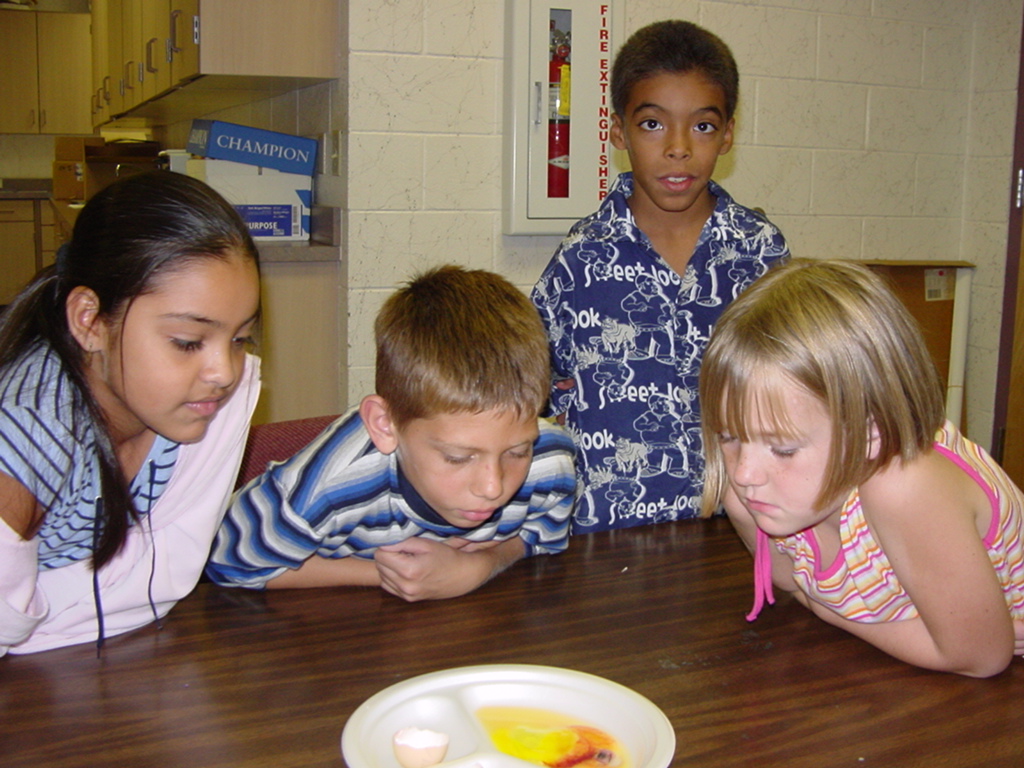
(440, 480)
(631, 296)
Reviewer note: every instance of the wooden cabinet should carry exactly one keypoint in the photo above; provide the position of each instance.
(108, 61)
(184, 40)
(99, 100)
(65, 73)
(28, 242)
(123, 52)
(45, 72)
(46, 227)
(17, 246)
(63, 216)
(170, 60)
(19, 83)
(261, 38)
(115, 57)
(154, 24)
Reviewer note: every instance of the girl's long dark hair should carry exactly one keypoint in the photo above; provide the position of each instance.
(125, 238)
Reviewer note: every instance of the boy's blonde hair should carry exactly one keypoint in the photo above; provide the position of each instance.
(837, 330)
(460, 341)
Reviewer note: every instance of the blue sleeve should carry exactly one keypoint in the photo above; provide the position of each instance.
(39, 453)
(283, 517)
(260, 536)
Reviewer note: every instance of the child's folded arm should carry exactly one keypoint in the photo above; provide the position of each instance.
(22, 605)
(263, 536)
(925, 520)
(911, 641)
(423, 569)
(329, 572)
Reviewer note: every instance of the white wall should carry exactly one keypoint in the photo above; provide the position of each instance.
(866, 129)
(26, 157)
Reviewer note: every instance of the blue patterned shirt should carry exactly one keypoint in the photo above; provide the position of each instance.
(631, 332)
(341, 497)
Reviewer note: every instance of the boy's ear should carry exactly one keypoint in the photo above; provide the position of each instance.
(617, 133)
(377, 419)
(83, 314)
(727, 137)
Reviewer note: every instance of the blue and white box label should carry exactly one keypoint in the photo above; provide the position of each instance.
(252, 146)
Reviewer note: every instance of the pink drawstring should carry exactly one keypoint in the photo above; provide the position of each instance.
(762, 575)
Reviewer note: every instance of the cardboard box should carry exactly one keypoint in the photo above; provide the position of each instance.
(100, 174)
(73, 147)
(83, 165)
(275, 205)
(69, 179)
(252, 146)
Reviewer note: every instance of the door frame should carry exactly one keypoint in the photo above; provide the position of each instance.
(1008, 422)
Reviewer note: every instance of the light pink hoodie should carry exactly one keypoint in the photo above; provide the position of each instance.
(40, 610)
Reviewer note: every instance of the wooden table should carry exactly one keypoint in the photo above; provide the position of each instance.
(243, 679)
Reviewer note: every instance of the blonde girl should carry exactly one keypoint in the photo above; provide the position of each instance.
(829, 449)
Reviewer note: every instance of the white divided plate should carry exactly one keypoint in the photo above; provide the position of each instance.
(446, 701)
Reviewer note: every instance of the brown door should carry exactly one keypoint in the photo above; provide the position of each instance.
(1008, 432)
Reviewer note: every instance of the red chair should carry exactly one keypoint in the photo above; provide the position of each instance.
(277, 441)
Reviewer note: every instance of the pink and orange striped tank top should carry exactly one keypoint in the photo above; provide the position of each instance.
(861, 585)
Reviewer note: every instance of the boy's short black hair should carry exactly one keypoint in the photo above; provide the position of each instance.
(678, 47)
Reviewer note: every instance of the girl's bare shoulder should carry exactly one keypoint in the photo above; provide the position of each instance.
(931, 486)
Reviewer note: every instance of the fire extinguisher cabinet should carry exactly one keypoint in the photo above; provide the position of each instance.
(558, 157)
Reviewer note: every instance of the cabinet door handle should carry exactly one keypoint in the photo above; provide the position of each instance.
(105, 88)
(174, 31)
(149, 55)
(42, 118)
(127, 80)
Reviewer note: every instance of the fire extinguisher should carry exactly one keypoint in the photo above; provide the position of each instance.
(559, 87)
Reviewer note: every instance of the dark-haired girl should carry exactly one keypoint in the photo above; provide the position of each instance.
(125, 398)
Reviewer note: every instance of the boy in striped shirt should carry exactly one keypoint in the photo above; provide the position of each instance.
(440, 480)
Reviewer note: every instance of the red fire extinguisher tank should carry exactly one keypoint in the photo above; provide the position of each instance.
(559, 86)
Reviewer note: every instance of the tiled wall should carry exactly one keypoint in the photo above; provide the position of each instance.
(866, 129)
(26, 157)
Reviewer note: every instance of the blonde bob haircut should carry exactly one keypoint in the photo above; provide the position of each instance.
(835, 329)
(454, 340)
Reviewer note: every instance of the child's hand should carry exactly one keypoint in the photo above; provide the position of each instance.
(563, 384)
(422, 569)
